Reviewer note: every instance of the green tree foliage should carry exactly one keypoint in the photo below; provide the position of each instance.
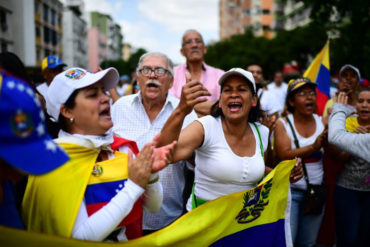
(352, 22)
(124, 67)
(302, 44)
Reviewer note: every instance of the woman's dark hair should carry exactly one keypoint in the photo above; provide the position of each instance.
(255, 113)
(70, 103)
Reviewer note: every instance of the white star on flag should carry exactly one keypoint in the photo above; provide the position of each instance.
(10, 84)
(29, 92)
(40, 129)
(20, 87)
(50, 145)
(37, 102)
(42, 116)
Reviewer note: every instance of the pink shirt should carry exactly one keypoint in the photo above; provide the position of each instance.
(209, 78)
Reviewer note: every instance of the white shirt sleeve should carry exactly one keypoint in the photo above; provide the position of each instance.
(153, 195)
(99, 225)
(356, 144)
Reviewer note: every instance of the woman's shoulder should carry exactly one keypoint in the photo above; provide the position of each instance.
(262, 128)
(207, 120)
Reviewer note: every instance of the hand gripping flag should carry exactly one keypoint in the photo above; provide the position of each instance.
(256, 217)
(319, 72)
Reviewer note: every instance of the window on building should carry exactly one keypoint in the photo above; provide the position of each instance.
(4, 46)
(247, 12)
(46, 35)
(37, 7)
(47, 52)
(54, 38)
(38, 54)
(53, 17)
(265, 11)
(4, 23)
(37, 32)
(266, 27)
(45, 12)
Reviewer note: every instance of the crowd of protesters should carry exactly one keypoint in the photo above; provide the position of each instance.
(140, 152)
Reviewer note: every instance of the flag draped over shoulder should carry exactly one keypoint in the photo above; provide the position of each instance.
(256, 217)
(319, 72)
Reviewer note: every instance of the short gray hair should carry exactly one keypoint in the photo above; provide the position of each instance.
(155, 54)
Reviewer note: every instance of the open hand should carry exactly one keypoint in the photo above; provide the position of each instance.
(297, 171)
(342, 98)
(162, 156)
(139, 169)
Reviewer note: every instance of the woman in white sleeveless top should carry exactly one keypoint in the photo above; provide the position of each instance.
(311, 136)
(229, 144)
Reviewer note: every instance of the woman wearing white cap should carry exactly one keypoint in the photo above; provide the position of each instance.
(100, 193)
(229, 144)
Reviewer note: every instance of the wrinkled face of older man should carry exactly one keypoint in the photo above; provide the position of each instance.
(193, 47)
(154, 78)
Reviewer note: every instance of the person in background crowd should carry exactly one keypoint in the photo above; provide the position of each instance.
(267, 101)
(22, 135)
(194, 49)
(349, 80)
(311, 135)
(121, 88)
(278, 89)
(229, 144)
(100, 193)
(11, 63)
(355, 144)
(50, 67)
(140, 117)
(353, 185)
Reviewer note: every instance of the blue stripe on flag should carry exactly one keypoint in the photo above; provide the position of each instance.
(103, 192)
(323, 80)
(267, 235)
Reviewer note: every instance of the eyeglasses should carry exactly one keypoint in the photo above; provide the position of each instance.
(303, 93)
(190, 41)
(157, 71)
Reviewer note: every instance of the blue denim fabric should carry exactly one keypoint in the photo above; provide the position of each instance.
(352, 217)
(304, 228)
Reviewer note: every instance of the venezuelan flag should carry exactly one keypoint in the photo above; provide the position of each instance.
(256, 217)
(319, 72)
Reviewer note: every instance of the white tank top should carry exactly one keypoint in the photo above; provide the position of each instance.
(314, 161)
(219, 171)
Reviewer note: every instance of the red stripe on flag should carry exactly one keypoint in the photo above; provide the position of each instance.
(321, 99)
(135, 214)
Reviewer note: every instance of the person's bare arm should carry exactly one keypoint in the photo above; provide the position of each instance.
(190, 96)
(283, 147)
(203, 109)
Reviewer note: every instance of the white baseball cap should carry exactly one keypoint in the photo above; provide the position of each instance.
(349, 66)
(65, 83)
(238, 71)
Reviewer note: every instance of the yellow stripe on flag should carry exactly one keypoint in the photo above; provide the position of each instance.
(202, 226)
(321, 58)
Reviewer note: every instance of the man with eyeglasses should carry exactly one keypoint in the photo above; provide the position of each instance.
(140, 117)
(194, 49)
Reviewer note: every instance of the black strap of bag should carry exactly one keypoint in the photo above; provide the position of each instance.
(297, 145)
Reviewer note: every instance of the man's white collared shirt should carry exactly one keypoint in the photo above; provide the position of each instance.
(131, 121)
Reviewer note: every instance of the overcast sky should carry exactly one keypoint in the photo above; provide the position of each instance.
(158, 25)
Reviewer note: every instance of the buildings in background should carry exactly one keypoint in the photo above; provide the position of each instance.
(34, 29)
(262, 17)
(75, 49)
(31, 29)
(104, 39)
